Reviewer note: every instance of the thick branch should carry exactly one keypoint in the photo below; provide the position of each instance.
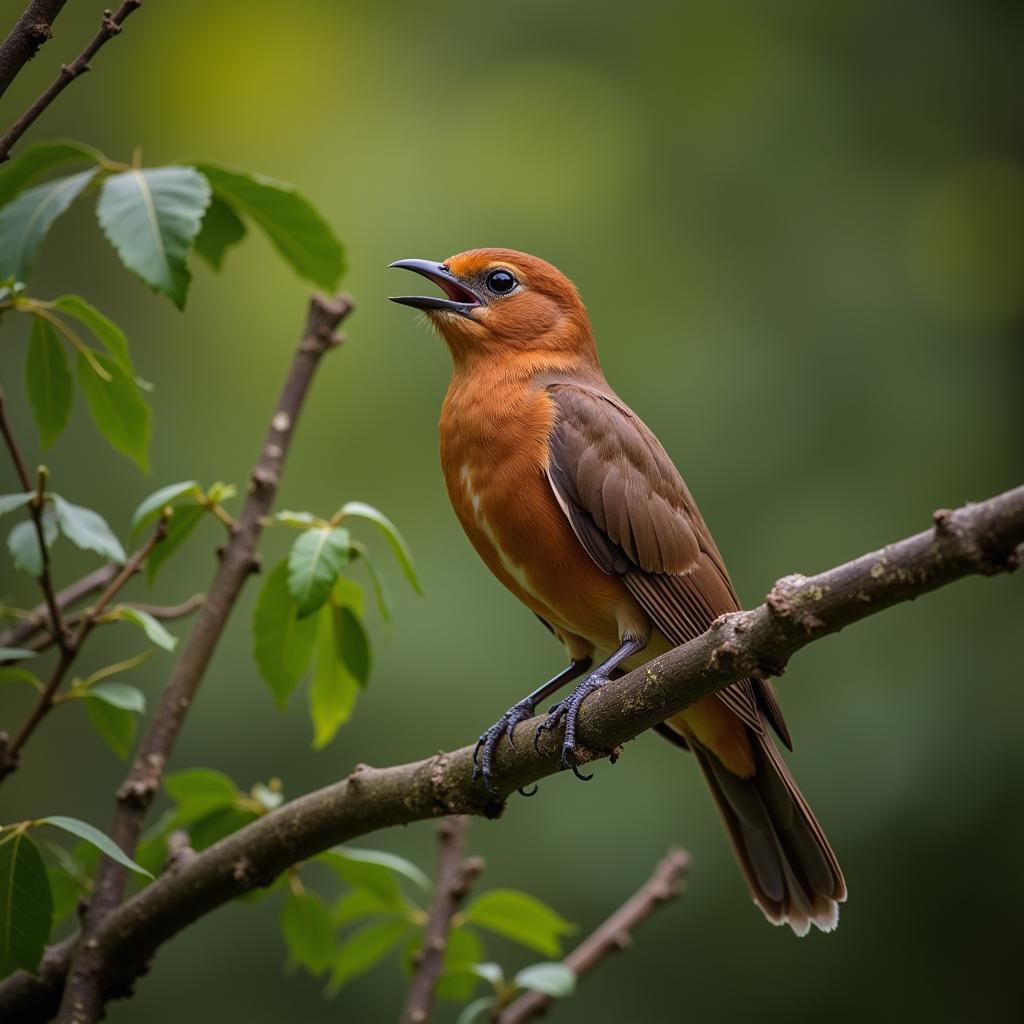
(616, 933)
(89, 977)
(980, 538)
(110, 26)
(30, 31)
(454, 878)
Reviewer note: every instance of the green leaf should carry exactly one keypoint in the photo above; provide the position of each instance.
(390, 531)
(20, 675)
(457, 981)
(115, 725)
(490, 972)
(15, 654)
(198, 791)
(109, 335)
(297, 519)
(23, 542)
(375, 870)
(149, 508)
(316, 558)
(476, 1010)
(65, 889)
(153, 628)
(282, 644)
(93, 835)
(151, 217)
(553, 979)
(88, 530)
(26, 906)
(288, 220)
(308, 931)
(333, 689)
(117, 407)
(222, 228)
(50, 388)
(379, 587)
(25, 220)
(9, 502)
(352, 642)
(35, 159)
(183, 522)
(519, 917)
(363, 949)
(119, 695)
(218, 824)
(359, 903)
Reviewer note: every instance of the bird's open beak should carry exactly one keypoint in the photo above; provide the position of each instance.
(460, 298)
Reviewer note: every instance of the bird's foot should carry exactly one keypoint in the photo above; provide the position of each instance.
(487, 744)
(568, 710)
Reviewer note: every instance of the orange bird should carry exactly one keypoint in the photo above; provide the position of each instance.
(575, 506)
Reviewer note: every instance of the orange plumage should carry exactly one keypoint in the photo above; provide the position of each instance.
(574, 505)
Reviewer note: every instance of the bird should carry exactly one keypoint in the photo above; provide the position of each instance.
(576, 507)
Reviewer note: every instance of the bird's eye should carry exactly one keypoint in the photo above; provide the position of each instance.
(501, 282)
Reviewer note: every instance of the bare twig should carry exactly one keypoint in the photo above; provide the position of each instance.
(454, 878)
(20, 633)
(85, 993)
(110, 26)
(35, 509)
(976, 539)
(667, 882)
(30, 31)
(72, 645)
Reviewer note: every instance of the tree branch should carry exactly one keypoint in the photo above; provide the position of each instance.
(454, 878)
(664, 885)
(110, 26)
(976, 539)
(30, 31)
(87, 983)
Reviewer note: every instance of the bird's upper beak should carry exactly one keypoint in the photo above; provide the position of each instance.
(460, 298)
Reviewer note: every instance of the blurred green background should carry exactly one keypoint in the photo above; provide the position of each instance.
(798, 228)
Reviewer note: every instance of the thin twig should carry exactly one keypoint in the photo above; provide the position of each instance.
(19, 634)
(976, 539)
(110, 26)
(85, 992)
(454, 878)
(69, 650)
(35, 509)
(30, 31)
(667, 883)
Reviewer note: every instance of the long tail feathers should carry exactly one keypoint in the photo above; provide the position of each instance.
(785, 858)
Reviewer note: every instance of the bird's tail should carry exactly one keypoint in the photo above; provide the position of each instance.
(787, 862)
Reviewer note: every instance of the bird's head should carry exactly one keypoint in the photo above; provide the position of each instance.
(498, 301)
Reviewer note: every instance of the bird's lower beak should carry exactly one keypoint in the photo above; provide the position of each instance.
(460, 298)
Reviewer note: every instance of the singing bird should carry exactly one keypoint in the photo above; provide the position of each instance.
(576, 507)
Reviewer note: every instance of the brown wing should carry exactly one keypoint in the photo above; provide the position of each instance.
(630, 509)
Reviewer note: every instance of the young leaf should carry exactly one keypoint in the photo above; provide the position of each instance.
(308, 931)
(198, 791)
(50, 388)
(520, 917)
(9, 502)
(333, 689)
(26, 906)
(115, 725)
(222, 228)
(316, 558)
(553, 979)
(287, 218)
(151, 217)
(25, 220)
(153, 628)
(117, 407)
(20, 675)
(109, 335)
(270, 797)
(93, 835)
(35, 159)
(15, 654)
(353, 644)
(390, 531)
(379, 587)
(282, 643)
(183, 522)
(119, 695)
(458, 979)
(88, 530)
(363, 949)
(374, 870)
(149, 508)
(23, 542)
(477, 1010)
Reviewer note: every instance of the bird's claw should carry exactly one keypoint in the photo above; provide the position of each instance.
(483, 763)
(569, 710)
